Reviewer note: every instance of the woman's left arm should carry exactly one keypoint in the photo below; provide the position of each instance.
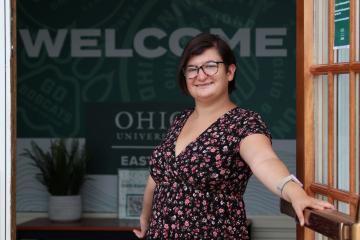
(257, 152)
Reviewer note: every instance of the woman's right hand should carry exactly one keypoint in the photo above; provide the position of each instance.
(147, 208)
(144, 225)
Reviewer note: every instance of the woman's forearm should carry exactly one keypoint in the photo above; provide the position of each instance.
(148, 198)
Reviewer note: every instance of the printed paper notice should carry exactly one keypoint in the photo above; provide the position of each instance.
(342, 24)
(131, 185)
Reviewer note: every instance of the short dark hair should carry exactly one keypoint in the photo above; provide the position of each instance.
(197, 46)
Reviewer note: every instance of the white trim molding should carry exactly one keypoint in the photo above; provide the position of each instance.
(5, 121)
(279, 227)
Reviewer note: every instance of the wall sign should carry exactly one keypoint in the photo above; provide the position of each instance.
(124, 135)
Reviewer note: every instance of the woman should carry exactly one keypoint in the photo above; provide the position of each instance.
(198, 174)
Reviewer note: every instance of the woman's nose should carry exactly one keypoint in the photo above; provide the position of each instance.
(201, 75)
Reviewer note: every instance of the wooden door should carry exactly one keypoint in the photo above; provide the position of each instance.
(328, 70)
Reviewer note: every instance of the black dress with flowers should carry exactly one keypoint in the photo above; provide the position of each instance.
(199, 193)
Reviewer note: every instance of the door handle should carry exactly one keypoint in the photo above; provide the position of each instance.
(330, 223)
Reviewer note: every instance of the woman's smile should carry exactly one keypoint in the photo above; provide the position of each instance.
(204, 85)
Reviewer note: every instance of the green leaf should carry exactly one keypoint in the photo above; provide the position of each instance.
(62, 167)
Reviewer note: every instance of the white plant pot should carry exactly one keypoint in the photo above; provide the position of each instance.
(65, 208)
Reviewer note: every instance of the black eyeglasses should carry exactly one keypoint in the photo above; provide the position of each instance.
(209, 68)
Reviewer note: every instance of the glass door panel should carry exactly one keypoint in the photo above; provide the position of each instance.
(357, 132)
(341, 55)
(321, 31)
(341, 131)
(321, 128)
(342, 207)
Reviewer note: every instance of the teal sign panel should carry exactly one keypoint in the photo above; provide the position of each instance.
(124, 135)
(342, 24)
(71, 54)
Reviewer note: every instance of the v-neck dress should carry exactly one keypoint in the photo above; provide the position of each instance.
(199, 193)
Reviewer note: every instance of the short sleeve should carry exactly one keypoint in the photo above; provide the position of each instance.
(252, 123)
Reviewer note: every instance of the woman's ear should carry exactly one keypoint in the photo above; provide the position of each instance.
(231, 72)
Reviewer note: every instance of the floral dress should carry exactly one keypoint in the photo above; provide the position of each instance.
(199, 193)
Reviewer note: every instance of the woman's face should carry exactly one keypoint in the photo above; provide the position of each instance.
(204, 86)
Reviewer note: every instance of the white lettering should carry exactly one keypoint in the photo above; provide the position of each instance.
(263, 41)
(143, 120)
(242, 36)
(139, 42)
(110, 48)
(128, 117)
(172, 116)
(53, 48)
(134, 161)
(174, 41)
(162, 120)
(82, 40)
(269, 42)
(148, 119)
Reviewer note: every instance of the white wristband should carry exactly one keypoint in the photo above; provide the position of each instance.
(284, 181)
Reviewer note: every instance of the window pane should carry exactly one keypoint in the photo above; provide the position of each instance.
(341, 131)
(342, 207)
(357, 132)
(321, 128)
(321, 32)
(341, 55)
(341, 31)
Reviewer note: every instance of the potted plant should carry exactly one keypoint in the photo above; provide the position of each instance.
(63, 173)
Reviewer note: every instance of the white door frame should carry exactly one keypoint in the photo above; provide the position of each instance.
(5, 120)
